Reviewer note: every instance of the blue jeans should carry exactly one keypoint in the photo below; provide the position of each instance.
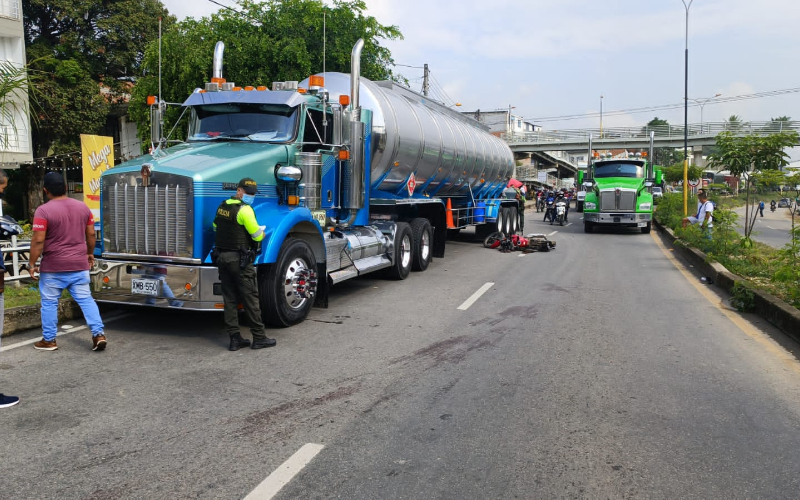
(77, 282)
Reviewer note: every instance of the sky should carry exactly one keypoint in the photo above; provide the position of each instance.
(557, 57)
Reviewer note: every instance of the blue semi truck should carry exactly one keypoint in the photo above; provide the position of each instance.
(353, 176)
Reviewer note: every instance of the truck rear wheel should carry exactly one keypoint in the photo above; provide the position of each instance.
(513, 220)
(500, 225)
(646, 229)
(403, 250)
(423, 236)
(588, 227)
(287, 288)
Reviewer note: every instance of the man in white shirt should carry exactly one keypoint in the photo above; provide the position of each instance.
(704, 216)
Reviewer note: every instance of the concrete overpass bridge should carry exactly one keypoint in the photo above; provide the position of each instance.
(670, 136)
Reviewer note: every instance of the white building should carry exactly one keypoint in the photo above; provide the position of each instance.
(503, 121)
(15, 130)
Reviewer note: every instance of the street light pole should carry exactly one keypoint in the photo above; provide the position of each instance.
(702, 102)
(601, 116)
(686, 115)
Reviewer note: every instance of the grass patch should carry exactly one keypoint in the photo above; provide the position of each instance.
(776, 271)
(24, 294)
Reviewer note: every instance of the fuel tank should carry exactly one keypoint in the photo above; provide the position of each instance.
(447, 152)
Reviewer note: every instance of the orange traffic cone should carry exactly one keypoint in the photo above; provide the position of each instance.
(449, 218)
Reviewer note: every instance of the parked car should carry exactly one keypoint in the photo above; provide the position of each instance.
(785, 203)
(657, 194)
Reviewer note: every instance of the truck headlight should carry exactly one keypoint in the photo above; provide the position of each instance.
(590, 205)
(644, 206)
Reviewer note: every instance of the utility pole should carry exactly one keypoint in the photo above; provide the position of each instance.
(686, 115)
(425, 82)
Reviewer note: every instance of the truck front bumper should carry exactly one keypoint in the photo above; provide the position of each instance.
(618, 219)
(156, 284)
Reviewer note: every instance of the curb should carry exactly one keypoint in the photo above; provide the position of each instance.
(777, 312)
(20, 319)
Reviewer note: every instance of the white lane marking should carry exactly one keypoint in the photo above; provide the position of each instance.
(770, 227)
(551, 234)
(285, 473)
(569, 224)
(475, 296)
(59, 334)
(521, 255)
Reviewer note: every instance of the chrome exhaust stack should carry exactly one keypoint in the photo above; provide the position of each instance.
(355, 175)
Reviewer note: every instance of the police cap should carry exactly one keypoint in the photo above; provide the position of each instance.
(248, 185)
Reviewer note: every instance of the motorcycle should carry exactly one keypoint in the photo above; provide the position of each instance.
(540, 204)
(9, 227)
(561, 212)
(772, 207)
(550, 211)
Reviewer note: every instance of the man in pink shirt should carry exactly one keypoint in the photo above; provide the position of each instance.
(63, 235)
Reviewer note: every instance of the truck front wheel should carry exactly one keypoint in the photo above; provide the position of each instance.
(646, 229)
(588, 227)
(287, 288)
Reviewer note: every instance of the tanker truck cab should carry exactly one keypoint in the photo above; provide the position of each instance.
(345, 188)
(619, 195)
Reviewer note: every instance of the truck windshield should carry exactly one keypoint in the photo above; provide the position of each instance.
(619, 170)
(243, 122)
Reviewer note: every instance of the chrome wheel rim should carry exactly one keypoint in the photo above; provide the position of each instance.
(425, 246)
(405, 251)
(299, 284)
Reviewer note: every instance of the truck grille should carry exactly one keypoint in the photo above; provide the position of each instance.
(610, 201)
(153, 221)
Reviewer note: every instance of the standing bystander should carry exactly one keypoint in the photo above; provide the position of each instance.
(5, 401)
(63, 234)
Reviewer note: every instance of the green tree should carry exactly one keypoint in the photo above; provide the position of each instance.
(734, 123)
(273, 40)
(744, 156)
(674, 173)
(86, 53)
(16, 82)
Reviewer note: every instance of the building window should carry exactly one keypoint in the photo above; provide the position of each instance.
(9, 8)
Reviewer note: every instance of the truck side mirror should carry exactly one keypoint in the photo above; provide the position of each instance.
(648, 184)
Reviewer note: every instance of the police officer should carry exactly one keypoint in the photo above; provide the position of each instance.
(238, 234)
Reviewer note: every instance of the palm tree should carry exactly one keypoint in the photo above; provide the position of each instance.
(16, 91)
(734, 123)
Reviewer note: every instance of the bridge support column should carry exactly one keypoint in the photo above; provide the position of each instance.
(697, 157)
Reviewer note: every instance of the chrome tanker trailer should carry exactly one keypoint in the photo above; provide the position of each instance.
(353, 177)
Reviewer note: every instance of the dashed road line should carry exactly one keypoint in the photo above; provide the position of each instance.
(281, 476)
(551, 234)
(475, 296)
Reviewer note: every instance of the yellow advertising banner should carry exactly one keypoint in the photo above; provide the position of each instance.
(98, 156)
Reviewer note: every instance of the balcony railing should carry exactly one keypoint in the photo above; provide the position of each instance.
(9, 9)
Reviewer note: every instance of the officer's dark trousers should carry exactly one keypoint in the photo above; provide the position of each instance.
(239, 287)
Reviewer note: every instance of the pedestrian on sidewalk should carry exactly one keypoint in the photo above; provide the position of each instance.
(5, 401)
(761, 207)
(63, 235)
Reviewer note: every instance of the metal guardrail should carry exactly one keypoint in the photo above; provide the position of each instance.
(19, 251)
(708, 129)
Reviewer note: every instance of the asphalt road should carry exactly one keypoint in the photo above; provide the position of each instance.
(599, 369)
(774, 228)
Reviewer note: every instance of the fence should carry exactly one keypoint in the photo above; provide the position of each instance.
(15, 258)
(661, 131)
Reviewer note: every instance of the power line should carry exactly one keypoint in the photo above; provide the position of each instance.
(648, 109)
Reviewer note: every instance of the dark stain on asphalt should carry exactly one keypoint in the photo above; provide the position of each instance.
(327, 322)
(383, 399)
(527, 312)
(257, 422)
(446, 416)
(453, 350)
(552, 287)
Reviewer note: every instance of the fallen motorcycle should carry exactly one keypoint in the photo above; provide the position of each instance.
(534, 242)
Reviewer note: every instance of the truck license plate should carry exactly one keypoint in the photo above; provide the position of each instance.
(141, 286)
(616, 220)
(642, 224)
